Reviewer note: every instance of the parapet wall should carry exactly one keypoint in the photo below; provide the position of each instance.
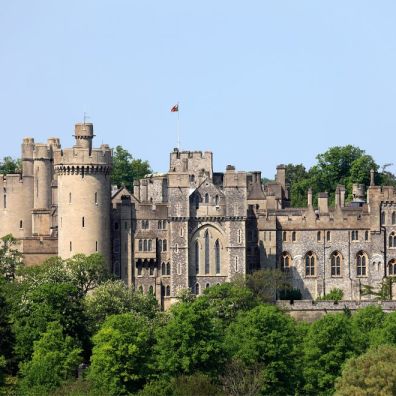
(78, 156)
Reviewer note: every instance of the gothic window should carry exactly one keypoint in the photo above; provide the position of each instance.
(196, 249)
(383, 218)
(328, 236)
(163, 269)
(310, 264)
(392, 267)
(392, 239)
(318, 236)
(168, 269)
(294, 236)
(140, 245)
(355, 235)
(197, 289)
(207, 253)
(336, 260)
(206, 198)
(394, 218)
(167, 291)
(284, 236)
(361, 264)
(217, 256)
(285, 261)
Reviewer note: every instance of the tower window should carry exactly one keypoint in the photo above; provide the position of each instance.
(284, 236)
(83, 222)
(96, 246)
(71, 246)
(20, 224)
(328, 236)
(70, 198)
(5, 201)
(96, 198)
(207, 253)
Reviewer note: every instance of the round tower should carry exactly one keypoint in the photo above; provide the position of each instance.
(84, 196)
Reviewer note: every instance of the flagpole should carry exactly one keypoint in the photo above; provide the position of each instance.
(178, 127)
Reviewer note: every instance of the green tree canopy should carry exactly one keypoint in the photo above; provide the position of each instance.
(55, 359)
(266, 336)
(126, 169)
(373, 373)
(10, 257)
(10, 166)
(121, 356)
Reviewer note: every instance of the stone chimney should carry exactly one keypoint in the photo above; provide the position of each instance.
(281, 175)
(309, 197)
(323, 202)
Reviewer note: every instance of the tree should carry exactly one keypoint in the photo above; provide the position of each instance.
(87, 272)
(55, 359)
(10, 257)
(10, 166)
(115, 297)
(373, 373)
(327, 345)
(190, 341)
(266, 337)
(386, 333)
(6, 335)
(126, 169)
(121, 355)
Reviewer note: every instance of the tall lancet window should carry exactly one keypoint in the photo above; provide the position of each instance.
(207, 253)
(196, 257)
(217, 256)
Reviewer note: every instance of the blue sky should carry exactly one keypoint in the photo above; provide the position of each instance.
(259, 82)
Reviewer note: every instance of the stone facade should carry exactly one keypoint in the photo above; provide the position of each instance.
(192, 227)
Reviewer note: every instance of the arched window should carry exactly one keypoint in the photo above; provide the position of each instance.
(163, 269)
(197, 289)
(336, 260)
(294, 236)
(284, 236)
(393, 218)
(207, 286)
(217, 256)
(285, 261)
(206, 198)
(361, 264)
(392, 267)
(167, 268)
(167, 291)
(383, 217)
(196, 256)
(328, 236)
(207, 253)
(392, 239)
(310, 264)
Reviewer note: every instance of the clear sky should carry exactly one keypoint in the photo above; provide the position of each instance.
(259, 82)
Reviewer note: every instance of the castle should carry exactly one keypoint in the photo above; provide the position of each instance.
(192, 227)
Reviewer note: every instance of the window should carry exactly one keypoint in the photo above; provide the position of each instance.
(206, 198)
(168, 269)
(285, 262)
(366, 235)
(394, 218)
(217, 256)
(310, 261)
(167, 293)
(355, 235)
(207, 286)
(392, 239)
(160, 245)
(361, 264)
(239, 236)
(145, 245)
(284, 236)
(70, 198)
(96, 246)
(328, 236)
(151, 290)
(392, 267)
(294, 236)
(145, 224)
(197, 289)
(163, 269)
(383, 217)
(196, 255)
(83, 222)
(96, 198)
(140, 245)
(236, 264)
(216, 200)
(336, 260)
(149, 245)
(71, 246)
(164, 245)
(207, 253)
(20, 224)
(318, 236)
(139, 268)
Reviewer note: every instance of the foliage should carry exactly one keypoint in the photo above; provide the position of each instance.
(385, 333)
(3, 364)
(121, 355)
(10, 257)
(48, 302)
(10, 166)
(334, 295)
(290, 294)
(382, 292)
(328, 344)
(265, 336)
(190, 341)
(78, 387)
(373, 373)
(265, 283)
(126, 169)
(6, 335)
(55, 359)
(115, 297)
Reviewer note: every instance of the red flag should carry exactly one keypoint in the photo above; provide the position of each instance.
(175, 108)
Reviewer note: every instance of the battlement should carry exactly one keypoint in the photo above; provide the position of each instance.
(193, 162)
(83, 157)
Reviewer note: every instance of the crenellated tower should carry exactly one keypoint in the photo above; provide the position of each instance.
(83, 176)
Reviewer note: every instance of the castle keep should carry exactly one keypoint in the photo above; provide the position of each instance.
(192, 227)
